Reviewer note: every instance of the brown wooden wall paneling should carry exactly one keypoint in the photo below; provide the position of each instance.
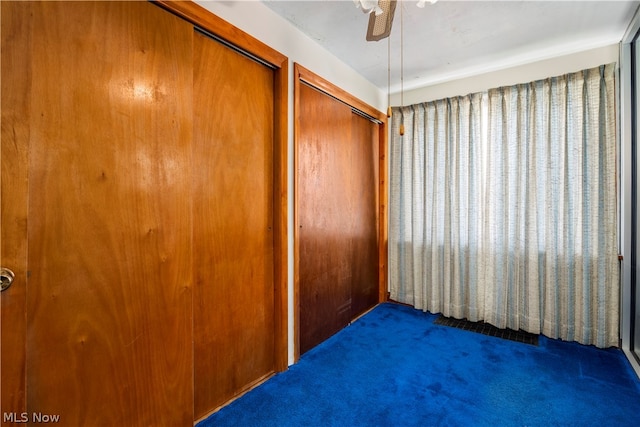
(339, 249)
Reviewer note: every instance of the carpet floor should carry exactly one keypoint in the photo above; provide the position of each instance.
(395, 367)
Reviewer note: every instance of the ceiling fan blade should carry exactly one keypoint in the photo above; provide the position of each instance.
(380, 25)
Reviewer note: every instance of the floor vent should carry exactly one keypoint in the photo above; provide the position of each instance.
(487, 329)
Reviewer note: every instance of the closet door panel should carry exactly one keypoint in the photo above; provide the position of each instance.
(233, 223)
(324, 216)
(337, 201)
(109, 225)
(364, 202)
(16, 28)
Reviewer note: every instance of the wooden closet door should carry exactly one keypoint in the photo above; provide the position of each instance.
(233, 223)
(337, 191)
(364, 202)
(108, 308)
(324, 223)
(16, 30)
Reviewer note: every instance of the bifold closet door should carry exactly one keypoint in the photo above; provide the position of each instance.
(233, 223)
(337, 215)
(101, 129)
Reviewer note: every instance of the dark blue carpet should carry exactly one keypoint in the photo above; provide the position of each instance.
(394, 367)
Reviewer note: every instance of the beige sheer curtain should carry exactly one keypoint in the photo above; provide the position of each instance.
(435, 189)
(511, 220)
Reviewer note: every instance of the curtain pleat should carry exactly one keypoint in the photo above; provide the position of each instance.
(435, 177)
(511, 220)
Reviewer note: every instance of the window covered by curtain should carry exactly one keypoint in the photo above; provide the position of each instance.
(503, 207)
(435, 188)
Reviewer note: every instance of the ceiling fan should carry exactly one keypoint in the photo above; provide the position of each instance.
(381, 16)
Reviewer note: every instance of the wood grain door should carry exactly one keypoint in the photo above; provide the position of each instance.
(102, 130)
(337, 214)
(324, 169)
(364, 202)
(16, 27)
(233, 223)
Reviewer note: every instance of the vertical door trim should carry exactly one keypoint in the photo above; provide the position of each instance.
(200, 17)
(627, 205)
(304, 76)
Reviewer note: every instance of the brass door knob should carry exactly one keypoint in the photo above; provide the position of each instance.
(6, 278)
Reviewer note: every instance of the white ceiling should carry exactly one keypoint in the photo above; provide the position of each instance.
(453, 39)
